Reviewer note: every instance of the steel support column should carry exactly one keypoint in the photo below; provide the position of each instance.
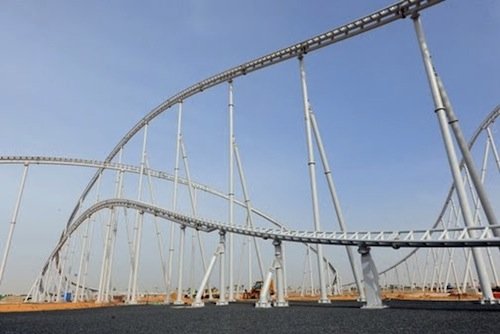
(312, 175)
(248, 206)
(179, 300)
(132, 295)
(220, 249)
(336, 202)
(174, 205)
(370, 277)
(13, 223)
(264, 299)
(467, 156)
(231, 191)
(222, 289)
(452, 157)
(278, 269)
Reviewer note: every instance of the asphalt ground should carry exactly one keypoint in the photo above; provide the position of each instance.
(300, 317)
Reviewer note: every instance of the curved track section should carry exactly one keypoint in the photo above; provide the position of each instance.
(102, 165)
(399, 10)
(446, 235)
(453, 237)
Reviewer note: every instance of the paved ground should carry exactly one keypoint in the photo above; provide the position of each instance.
(339, 317)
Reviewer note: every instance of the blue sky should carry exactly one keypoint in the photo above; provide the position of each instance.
(75, 76)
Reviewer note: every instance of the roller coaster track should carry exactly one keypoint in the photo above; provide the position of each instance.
(453, 237)
(399, 10)
(77, 162)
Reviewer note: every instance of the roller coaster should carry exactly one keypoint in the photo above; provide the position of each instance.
(460, 248)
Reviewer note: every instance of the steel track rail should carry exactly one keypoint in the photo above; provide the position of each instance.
(76, 162)
(399, 10)
(452, 237)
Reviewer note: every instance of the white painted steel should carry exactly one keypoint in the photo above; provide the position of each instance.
(222, 263)
(443, 237)
(311, 163)
(264, 300)
(336, 202)
(231, 190)
(174, 202)
(179, 298)
(452, 158)
(278, 269)
(447, 236)
(13, 223)
(467, 156)
(197, 300)
(373, 292)
(399, 10)
(132, 292)
(248, 206)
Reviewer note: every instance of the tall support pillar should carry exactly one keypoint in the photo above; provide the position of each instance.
(133, 299)
(106, 286)
(249, 273)
(279, 272)
(336, 203)
(467, 156)
(113, 241)
(311, 278)
(85, 237)
(132, 295)
(80, 291)
(105, 258)
(283, 265)
(13, 223)
(312, 175)
(249, 214)
(222, 289)
(174, 204)
(61, 270)
(179, 300)
(452, 158)
(193, 205)
(370, 277)
(231, 191)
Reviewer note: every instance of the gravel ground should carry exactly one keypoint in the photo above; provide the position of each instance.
(338, 317)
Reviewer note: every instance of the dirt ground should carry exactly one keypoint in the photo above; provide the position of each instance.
(32, 307)
(17, 305)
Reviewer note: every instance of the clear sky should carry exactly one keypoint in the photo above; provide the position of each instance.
(76, 76)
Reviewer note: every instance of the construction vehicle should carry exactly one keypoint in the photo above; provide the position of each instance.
(254, 293)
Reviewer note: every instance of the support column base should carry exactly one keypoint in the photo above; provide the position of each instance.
(131, 302)
(324, 301)
(260, 304)
(198, 304)
(281, 304)
(222, 303)
(374, 307)
(179, 302)
(490, 301)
